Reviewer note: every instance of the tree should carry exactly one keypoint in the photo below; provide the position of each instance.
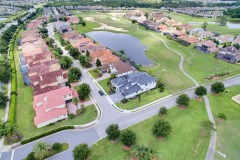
(163, 111)
(200, 91)
(87, 53)
(206, 127)
(223, 21)
(5, 71)
(41, 150)
(3, 99)
(83, 91)
(128, 138)
(74, 74)
(98, 63)
(222, 116)
(75, 100)
(49, 41)
(183, 100)
(122, 51)
(81, 152)
(143, 153)
(82, 60)
(204, 25)
(217, 87)
(146, 15)
(113, 132)
(161, 85)
(74, 52)
(237, 46)
(65, 62)
(161, 128)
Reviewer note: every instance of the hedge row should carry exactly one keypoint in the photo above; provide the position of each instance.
(46, 134)
(13, 99)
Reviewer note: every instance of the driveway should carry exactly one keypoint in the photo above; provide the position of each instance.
(116, 97)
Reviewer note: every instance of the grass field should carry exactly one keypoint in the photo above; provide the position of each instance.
(184, 143)
(25, 112)
(89, 27)
(93, 73)
(104, 85)
(228, 131)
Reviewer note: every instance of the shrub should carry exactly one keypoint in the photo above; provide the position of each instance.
(56, 146)
(162, 128)
(81, 111)
(46, 134)
(113, 132)
(71, 116)
(217, 87)
(81, 152)
(128, 138)
(200, 91)
(222, 116)
(183, 100)
(30, 156)
(163, 110)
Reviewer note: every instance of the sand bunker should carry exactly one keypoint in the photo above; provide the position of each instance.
(105, 26)
(115, 19)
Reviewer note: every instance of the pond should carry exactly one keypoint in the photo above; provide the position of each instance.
(230, 24)
(133, 48)
(2, 19)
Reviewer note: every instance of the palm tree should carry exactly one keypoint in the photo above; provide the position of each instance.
(41, 150)
(143, 153)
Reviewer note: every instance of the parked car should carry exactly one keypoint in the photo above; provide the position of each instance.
(101, 92)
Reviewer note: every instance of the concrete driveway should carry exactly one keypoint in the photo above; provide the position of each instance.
(116, 97)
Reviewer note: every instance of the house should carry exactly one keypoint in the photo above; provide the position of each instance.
(121, 68)
(82, 42)
(73, 19)
(50, 107)
(188, 40)
(207, 47)
(162, 27)
(45, 79)
(195, 31)
(34, 24)
(133, 84)
(72, 36)
(205, 34)
(105, 56)
(63, 27)
(236, 41)
(226, 38)
(91, 48)
(177, 34)
(229, 54)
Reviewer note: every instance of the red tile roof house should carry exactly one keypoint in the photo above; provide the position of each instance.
(46, 79)
(73, 19)
(207, 47)
(34, 24)
(91, 48)
(121, 68)
(82, 42)
(177, 34)
(188, 40)
(73, 36)
(105, 56)
(51, 106)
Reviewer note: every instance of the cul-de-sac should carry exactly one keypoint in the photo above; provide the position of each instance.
(119, 79)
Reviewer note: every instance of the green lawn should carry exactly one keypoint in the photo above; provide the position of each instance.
(2, 112)
(227, 132)
(104, 85)
(94, 73)
(89, 27)
(146, 98)
(184, 143)
(25, 112)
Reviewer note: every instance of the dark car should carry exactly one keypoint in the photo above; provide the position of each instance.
(101, 93)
